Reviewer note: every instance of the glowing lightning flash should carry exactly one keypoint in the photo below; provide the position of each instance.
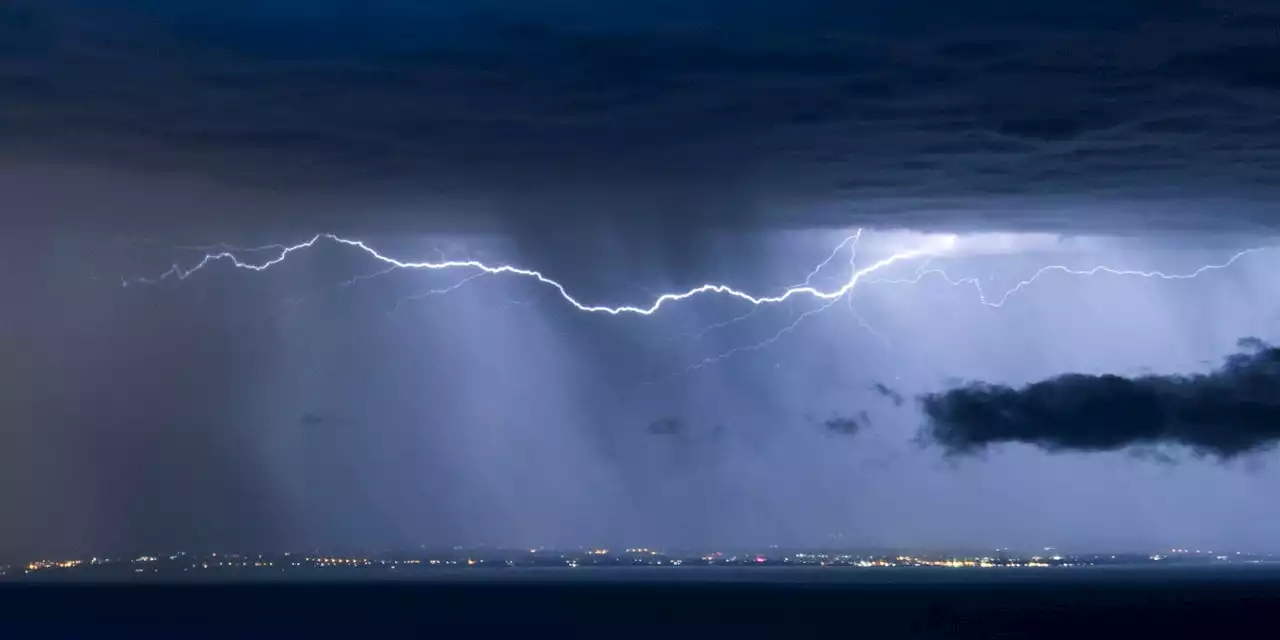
(851, 241)
(944, 243)
(1000, 302)
(438, 292)
(939, 246)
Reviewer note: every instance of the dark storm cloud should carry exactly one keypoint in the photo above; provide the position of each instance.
(601, 111)
(893, 396)
(1232, 410)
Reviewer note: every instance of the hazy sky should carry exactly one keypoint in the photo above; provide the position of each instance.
(624, 151)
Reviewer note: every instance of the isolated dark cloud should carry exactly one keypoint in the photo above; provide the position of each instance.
(1232, 410)
(848, 425)
(893, 396)
(703, 113)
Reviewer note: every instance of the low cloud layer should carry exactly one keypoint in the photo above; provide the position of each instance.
(1227, 412)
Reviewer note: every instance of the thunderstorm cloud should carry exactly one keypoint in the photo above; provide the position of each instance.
(1227, 412)
(524, 114)
(627, 149)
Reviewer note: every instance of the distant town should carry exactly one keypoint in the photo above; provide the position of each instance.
(490, 562)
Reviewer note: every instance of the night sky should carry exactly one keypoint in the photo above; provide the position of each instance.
(624, 150)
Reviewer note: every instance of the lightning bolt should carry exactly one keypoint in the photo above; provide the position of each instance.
(176, 271)
(850, 241)
(202, 248)
(805, 289)
(759, 345)
(437, 292)
(924, 272)
(1000, 301)
(367, 276)
(853, 309)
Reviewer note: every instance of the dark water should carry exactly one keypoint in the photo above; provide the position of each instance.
(723, 575)
(1219, 602)
(854, 576)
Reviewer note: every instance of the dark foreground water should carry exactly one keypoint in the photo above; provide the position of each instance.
(792, 602)
(852, 576)
(721, 575)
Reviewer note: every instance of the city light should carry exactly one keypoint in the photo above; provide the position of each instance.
(489, 560)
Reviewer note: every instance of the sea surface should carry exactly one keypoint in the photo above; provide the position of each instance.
(836, 575)
(1069, 602)
(1152, 575)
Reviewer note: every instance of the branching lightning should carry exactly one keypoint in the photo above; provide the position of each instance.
(766, 342)
(938, 247)
(438, 292)
(851, 241)
(1002, 299)
(794, 292)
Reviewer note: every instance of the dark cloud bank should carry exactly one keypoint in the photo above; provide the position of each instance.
(1227, 412)
(487, 115)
